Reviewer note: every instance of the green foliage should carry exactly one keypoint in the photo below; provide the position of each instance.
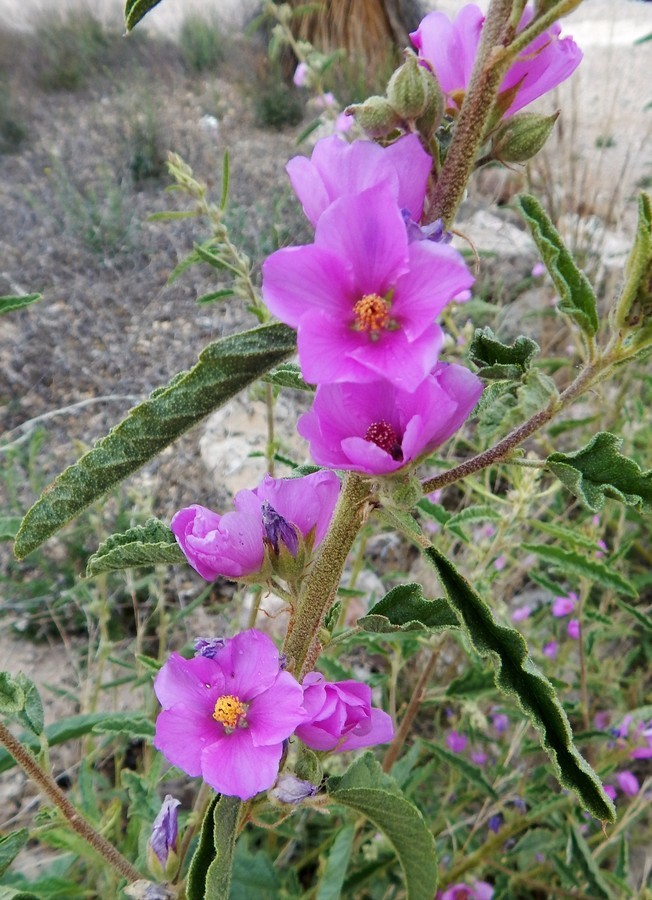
(516, 674)
(10, 846)
(202, 44)
(366, 790)
(146, 146)
(218, 875)
(224, 368)
(8, 304)
(13, 132)
(579, 566)
(405, 608)
(577, 298)
(288, 375)
(598, 471)
(633, 310)
(145, 545)
(135, 10)
(276, 103)
(498, 361)
(73, 46)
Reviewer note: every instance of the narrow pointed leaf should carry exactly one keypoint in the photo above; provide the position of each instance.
(135, 10)
(224, 368)
(10, 846)
(572, 563)
(468, 770)
(332, 881)
(405, 608)
(151, 544)
(643, 619)
(516, 674)
(498, 361)
(365, 789)
(598, 471)
(8, 304)
(581, 856)
(576, 296)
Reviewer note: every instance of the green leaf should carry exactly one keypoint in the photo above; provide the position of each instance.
(577, 298)
(31, 715)
(634, 306)
(365, 789)
(332, 881)
(8, 304)
(598, 471)
(644, 619)
(464, 767)
(222, 294)
(136, 9)
(7, 893)
(253, 874)
(572, 563)
(203, 856)
(9, 526)
(10, 846)
(224, 368)
(471, 684)
(134, 725)
(150, 544)
(218, 876)
(288, 375)
(405, 608)
(580, 853)
(569, 536)
(224, 196)
(516, 674)
(498, 361)
(12, 696)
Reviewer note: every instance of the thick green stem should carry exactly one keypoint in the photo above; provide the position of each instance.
(319, 590)
(77, 822)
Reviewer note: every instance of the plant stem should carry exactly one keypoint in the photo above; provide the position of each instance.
(77, 822)
(319, 590)
(271, 442)
(587, 378)
(410, 713)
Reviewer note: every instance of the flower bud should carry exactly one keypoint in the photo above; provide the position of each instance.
(413, 90)
(290, 789)
(376, 116)
(522, 136)
(162, 856)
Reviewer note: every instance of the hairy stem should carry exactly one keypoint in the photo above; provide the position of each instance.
(77, 822)
(319, 590)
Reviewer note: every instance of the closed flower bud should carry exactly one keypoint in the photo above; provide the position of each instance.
(522, 136)
(376, 116)
(413, 91)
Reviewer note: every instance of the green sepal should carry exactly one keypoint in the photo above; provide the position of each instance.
(577, 297)
(598, 471)
(135, 10)
(517, 675)
(367, 790)
(405, 608)
(150, 544)
(8, 304)
(224, 368)
(501, 362)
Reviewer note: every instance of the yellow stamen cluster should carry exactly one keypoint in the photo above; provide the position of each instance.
(229, 711)
(372, 314)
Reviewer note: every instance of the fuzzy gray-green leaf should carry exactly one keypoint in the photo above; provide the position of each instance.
(405, 608)
(150, 544)
(576, 296)
(516, 674)
(498, 361)
(572, 563)
(224, 368)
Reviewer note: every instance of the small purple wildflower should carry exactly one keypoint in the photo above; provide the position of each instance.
(550, 649)
(610, 791)
(500, 562)
(479, 757)
(564, 606)
(495, 823)
(521, 613)
(278, 530)
(573, 629)
(301, 73)
(500, 722)
(628, 783)
(538, 269)
(456, 741)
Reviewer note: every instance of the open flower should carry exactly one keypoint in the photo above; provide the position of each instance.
(564, 606)
(479, 890)
(233, 545)
(362, 297)
(339, 169)
(451, 49)
(225, 717)
(339, 715)
(378, 428)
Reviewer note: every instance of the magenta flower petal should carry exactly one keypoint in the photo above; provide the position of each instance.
(306, 502)
(377, 729)
(275, 713)
(181, 735)
(450, 47)
(628, 783)
(339, 169)
(562, 606)
(236, 767)
(192, 681)
(229, 545)
(251, 663)
(573, 629)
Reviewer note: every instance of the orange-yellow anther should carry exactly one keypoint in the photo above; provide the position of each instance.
(372, 314)
(229, 711)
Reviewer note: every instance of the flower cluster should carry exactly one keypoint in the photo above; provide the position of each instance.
(229, 711)
(364, 298)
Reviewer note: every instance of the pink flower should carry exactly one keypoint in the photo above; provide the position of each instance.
(480, 890)
(362, 298)
(233, 545)
(500, 722)
(628, 783)
(573, 629)
(564, 606)
(378, 428)
(499, 564)
(226, 717)
(339, 716)
(479, 757)
(521, 613)
(301, 73)
(456, 741)
(538, 269)
(610, 791)
(550, 649)
(451, 48)
(338, 169)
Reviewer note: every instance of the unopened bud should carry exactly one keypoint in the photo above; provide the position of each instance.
(522, 136)
(376, 116)
(413, 91)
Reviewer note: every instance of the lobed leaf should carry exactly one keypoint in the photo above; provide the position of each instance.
(516, 674)
(150, 544)
(498, 361)
(598, 471)
(405, 608)
(8, 304)
(288, 375)
(224, 368)
(365, 789)
(577, 298)
(572, 563)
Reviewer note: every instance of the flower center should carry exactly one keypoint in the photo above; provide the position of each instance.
(383, 435)
(372, 314)
(230, 712)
